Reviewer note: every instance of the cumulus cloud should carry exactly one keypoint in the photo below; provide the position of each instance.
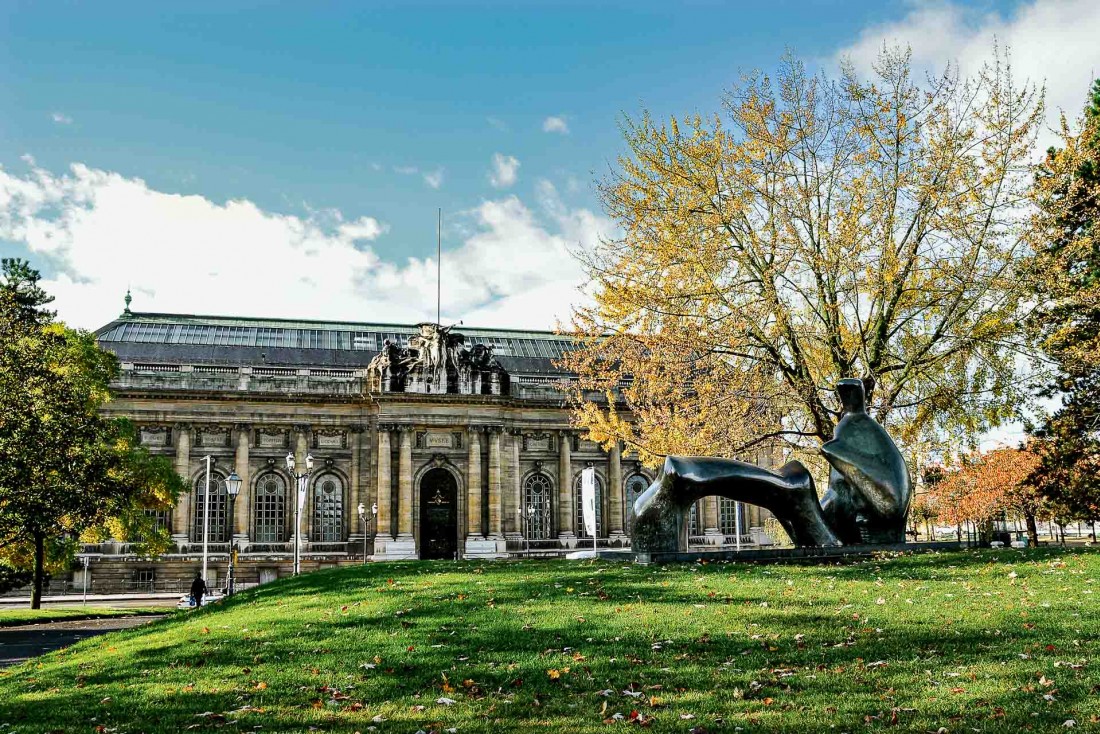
(505, 170)
(61, 118)
(97, 232)
(1051, 42)
(555, 124)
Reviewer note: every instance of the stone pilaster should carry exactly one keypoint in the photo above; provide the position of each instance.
(405, 486)
(615, 491)
(243, 509)
(495, 483)
(384, 521)
(355, 527)
(473, 483)
(181, 513)
(301, 451)
(565, 485)
(513, 524)
(710, 521)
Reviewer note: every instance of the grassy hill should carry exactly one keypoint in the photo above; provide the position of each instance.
(987, 641)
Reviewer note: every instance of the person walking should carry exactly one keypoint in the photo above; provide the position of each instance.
(198, 589)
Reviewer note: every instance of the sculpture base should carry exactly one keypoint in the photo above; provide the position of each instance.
(485, 548)
(779, 555)
(395, 549)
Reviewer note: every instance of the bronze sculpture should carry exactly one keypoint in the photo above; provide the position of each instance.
(867, 500)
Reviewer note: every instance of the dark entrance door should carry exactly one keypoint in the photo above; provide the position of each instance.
(438, 515)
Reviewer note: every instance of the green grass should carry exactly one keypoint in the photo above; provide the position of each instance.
(15, 616)
(980, 641)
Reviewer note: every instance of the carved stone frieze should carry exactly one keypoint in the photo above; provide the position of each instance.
(272, 438)
(155, 435)
(329, 438)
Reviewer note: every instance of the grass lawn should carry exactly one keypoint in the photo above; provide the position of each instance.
(995, 641)
(14, 616)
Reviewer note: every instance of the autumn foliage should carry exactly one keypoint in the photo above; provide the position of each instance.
(986, 486)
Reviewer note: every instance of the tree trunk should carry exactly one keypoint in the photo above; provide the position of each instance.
(39, 570)
(1032, 530)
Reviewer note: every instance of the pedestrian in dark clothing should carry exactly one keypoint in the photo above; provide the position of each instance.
(198, 589)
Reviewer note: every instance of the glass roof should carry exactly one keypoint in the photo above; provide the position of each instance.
(220, 331)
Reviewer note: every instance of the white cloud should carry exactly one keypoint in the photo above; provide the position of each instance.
(100, 232)
(434, 178)
(406, 170)
(505, 170)
(1051, 41)
(61, 118)
(555, 124)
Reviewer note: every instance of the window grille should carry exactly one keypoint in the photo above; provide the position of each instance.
(635, 485)
(727, 516)
(582, 532)
(693, 519)
(538, 492)
(270, 509)
(328, 509)
(218, 531)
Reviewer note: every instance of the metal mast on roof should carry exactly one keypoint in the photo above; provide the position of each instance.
(438, 262)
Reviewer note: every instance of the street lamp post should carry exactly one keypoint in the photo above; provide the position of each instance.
(302, 483)
(232, 488)
(527, 515)
(366, 527)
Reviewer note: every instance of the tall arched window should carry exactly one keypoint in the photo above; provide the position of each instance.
(694, 526)
(582, 532)
(728, 510)
(538, 491)
(635, 485)
(328, 509)
(218, 529)
(269, 509)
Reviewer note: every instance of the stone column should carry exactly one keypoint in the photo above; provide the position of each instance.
(243, 510)
(383, 523)
(473, 484)
(495, 484)
(515, 524)
(301, 450)
(181, 513)
(615, 490)
(405, 486)
(710, 521)
(355, 442)
(565, 485)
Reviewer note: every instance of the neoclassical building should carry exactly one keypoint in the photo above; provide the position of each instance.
(460, 440)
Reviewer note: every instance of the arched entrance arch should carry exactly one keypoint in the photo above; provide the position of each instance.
(438, 514)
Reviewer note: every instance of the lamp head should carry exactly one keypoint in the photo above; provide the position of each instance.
(374, 509)
(233, 484)
(290, 462)
(309, 462)
(362, 509)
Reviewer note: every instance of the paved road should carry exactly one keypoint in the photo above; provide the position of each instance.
(26, 641)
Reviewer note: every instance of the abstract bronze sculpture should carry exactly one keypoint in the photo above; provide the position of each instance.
(867, 500)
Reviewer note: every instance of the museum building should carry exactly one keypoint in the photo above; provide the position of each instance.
(423, 443)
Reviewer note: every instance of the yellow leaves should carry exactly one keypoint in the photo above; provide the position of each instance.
(553, 674)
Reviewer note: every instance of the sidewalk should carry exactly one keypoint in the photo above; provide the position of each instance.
(159, 598)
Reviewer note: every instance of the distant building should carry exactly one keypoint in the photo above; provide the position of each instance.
(461, 440)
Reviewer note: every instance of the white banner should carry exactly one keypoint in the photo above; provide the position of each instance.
(301, 497)
(588, 500)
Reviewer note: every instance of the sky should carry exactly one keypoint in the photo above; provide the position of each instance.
(289, 159)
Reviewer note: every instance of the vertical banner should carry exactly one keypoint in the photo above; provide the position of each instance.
(301, 496)
(588, 500)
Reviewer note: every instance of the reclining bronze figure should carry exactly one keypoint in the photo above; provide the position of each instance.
(866, 503)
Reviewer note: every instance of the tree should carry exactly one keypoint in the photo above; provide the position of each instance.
(984, 487)
(65, 469)
(820, 229)
(1067, 323)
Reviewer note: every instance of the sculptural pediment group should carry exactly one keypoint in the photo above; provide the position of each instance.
(867, 500)
(437, 360)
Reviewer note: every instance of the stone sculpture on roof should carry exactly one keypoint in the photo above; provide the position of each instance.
(437, 360)
(867, 501)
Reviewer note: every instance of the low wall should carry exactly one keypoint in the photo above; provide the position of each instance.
(780, 555)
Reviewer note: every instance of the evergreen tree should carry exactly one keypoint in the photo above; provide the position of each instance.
(1067, 321)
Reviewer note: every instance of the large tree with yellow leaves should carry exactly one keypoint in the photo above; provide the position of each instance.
(817, 229)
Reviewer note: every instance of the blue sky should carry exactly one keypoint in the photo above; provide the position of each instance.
(288, 159)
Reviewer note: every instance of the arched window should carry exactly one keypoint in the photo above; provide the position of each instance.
(269, 509)
(218, 529)
(635, 485)
(328, 509)
(728, 510)
(582, 532)
(537, 506)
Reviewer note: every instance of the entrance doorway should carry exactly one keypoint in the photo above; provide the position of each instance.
(438, 515)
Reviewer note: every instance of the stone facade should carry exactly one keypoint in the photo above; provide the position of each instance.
(488, 469)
